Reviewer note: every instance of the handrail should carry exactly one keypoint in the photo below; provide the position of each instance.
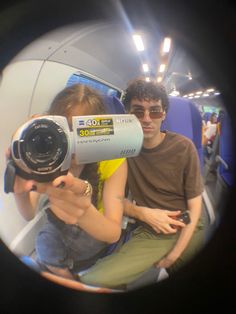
(221, 160)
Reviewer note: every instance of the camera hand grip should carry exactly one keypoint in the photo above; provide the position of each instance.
(9, 177)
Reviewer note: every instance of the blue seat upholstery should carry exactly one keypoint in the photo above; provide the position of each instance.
(30, 262)
(226, 151)
(113, 105)
(184, 118)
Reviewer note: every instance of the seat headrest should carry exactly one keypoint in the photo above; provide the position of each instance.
(113, 105)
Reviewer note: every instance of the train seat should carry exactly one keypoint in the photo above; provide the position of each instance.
(184, 118)
(225, 160)
(113, 105)
(210, 163)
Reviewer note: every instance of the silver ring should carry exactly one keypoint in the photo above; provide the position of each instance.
(89, 190)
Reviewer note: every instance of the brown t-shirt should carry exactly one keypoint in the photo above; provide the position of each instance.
(166, 176)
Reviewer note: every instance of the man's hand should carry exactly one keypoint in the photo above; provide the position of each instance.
(161, 220)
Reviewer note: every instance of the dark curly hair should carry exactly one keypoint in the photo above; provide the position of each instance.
(91, 102)
(142, 90)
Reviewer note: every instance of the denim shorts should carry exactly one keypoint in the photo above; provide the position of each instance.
(67, 246)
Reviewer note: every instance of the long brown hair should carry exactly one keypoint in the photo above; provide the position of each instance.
(91, 102)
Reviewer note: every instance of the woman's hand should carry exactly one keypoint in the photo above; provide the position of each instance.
(20, 185)
(69, 197)
(23, 186)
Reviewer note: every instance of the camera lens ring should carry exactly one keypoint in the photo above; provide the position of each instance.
(43, 146)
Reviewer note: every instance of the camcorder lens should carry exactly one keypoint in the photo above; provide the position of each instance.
(43, 146)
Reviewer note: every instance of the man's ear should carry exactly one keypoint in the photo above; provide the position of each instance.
(164, 116)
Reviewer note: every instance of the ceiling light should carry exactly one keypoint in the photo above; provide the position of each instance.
(166, 45)
(162, 68)
(138, 42)
(145, 67)
(174, 93)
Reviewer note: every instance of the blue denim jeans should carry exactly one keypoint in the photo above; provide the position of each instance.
(67, 246)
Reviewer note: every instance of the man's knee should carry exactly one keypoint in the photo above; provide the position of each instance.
(98, 278)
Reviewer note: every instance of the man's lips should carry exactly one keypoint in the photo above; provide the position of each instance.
(147, 129)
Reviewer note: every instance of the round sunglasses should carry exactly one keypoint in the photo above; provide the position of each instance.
(153, 113)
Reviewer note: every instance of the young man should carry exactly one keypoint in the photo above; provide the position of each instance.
(164, 181)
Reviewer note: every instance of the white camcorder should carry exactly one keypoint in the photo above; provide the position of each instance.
(42, 148)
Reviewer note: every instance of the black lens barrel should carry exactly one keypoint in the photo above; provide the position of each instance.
(43, 146)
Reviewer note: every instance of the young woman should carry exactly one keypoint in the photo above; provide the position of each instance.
(84, 208)
(210, 129)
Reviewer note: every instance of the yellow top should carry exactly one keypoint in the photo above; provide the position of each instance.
(105, 169)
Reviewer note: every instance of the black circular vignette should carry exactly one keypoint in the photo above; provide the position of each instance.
(206, 29)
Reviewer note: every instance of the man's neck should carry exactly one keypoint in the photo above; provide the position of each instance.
(154, 142)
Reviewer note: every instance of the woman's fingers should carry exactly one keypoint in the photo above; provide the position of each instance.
(22, 185)
(75, 185)
(66, 212)
(8, 153)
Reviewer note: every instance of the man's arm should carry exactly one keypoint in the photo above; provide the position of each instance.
(160, 220)
(195, 207)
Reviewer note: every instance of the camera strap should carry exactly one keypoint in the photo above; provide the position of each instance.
(9, 176)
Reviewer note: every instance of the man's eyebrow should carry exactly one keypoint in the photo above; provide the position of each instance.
(137, 106)
(142, 107)
(155, 106)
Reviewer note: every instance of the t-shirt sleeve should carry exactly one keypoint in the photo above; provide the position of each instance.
(193, 177)
(105, 169)
(108, 167)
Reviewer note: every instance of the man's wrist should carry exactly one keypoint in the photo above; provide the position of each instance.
(141, 212)
(135, 211)
(131, 209)
(174, 255)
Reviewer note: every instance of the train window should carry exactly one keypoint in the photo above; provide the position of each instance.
(104, 88)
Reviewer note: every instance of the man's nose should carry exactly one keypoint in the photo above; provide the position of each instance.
(146, 117)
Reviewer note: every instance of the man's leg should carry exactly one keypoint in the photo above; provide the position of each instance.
(194, 246)
(134, 257)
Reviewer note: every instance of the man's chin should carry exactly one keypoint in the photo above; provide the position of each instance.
(147, 137)
(147, 134)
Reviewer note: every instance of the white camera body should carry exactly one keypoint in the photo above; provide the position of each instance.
(43, 147)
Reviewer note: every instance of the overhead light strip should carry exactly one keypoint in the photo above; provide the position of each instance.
(145, 67)
(166, 45)
(138, 42)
